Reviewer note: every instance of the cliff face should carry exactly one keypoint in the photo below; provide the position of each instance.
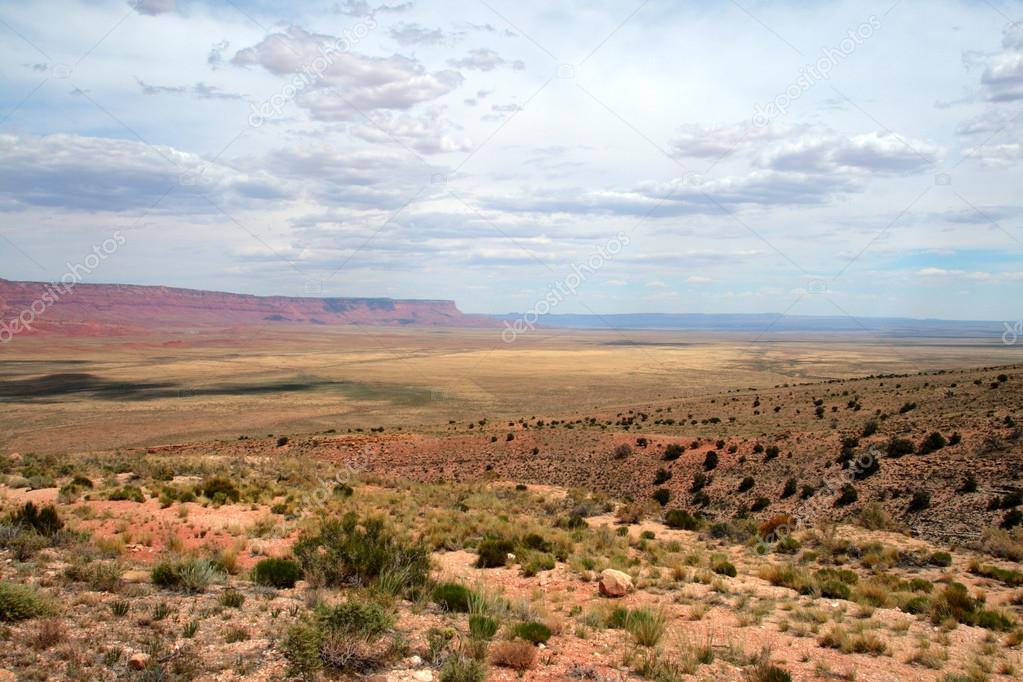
(101, 308)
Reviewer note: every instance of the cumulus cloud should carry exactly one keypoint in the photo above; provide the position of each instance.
(153, 7)
(101, 174)
(485, 59)
(694, 140)
(884, 153)
(426, 133)
(336, 83)
(1001, 75)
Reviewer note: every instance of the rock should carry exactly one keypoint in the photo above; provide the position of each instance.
(423, 676)
(7, 676)
(138, 661)
(414, 662)
(615, 583)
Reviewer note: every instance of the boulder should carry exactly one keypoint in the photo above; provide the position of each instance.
(615, 583)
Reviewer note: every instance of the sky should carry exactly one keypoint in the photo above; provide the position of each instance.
(810, 157)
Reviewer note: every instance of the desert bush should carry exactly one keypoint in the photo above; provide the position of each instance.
(187, 575)
(45, 521)
(662, 476)
(622, 451)
(130, 493)
(346, 552)
(463, 669)
(710, 461)
(874, 517)
(483, 627)
(968, 486)
(662, 496)
(231, 599)
(452, 597)
(722, 566)
(23, 602)
(682, 520)
(1007, 576)
(535, 562)
(494, 553)
(102, 576)
(699, 482)
(274, 572)
(943, 559)
(515, 654)
(932, 443)
(301, 647)
(870, 428)
(532, 631)
(921, 500)
(790, 488)
(646, 626)
(220, 489)
(747, 483)
(1007, 544)
(672, 452)
(760, 504)
(848, 496)
(897, 447)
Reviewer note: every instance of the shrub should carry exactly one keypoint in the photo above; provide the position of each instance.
(224, 487)
(969, 485)
(532, 631)
(493, 553)
(646, 626)
(662, 476)
(746, 484)
(765, 672)
(463, 669)
(189, 575)
(943, 559)
(44, 521)
(345, 552)
(870, 428)
(130, 493)
(282, 441)
(622, 451)
(710, 462)
(536, 562)
(723, 566)
(760, 504)
(662, 496)
(673, 452)
(897, 447)
(301, 648)
(934, 442)
(699, 481)
(772, 452)
(682, 520)
(516, 655)
(848, 496)
(279, 573)
(363, 618)
(790, 488)
(23, 602)
(453, 597)
(921, 500)
(483, 627)
(906, 407)
(231, 599)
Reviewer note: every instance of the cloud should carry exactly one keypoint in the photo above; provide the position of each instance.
(153, 7)
(943, 274)
(415, 34)
(485, 59)
(334, 83)
(215, 58)
(361, 8)
(102, 174)
(694, 140)
(426, 133)
(198, 91)
(873, 152)
(707, 197)
(1001, 75)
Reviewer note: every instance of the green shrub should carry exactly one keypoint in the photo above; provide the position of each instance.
(710, 461)
(848, 496)
(493, 553)
(363, 618)
(301, 648)
(897, 447)
(662, 496)
(723, 566)
(225, 488)
(531, 631)
(463, 669)
(187, 575)
(345, 552)
(682, 520)
(646, 626)
(279, 573)
(790, 488)
(943, 559)
(483, 627)
(231, 599)
(22, 602)
(536, 562)
(44, 521)
(452, 597)
(130, 493)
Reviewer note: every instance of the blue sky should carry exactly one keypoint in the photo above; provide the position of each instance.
(807, 157)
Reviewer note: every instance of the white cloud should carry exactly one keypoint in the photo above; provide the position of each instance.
(154, 7)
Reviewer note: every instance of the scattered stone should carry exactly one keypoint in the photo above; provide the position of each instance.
(615, 583)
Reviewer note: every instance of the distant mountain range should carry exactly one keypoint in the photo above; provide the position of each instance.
(104, 309)
(768, 322)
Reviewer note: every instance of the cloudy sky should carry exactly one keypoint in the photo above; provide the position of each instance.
(801, 156)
